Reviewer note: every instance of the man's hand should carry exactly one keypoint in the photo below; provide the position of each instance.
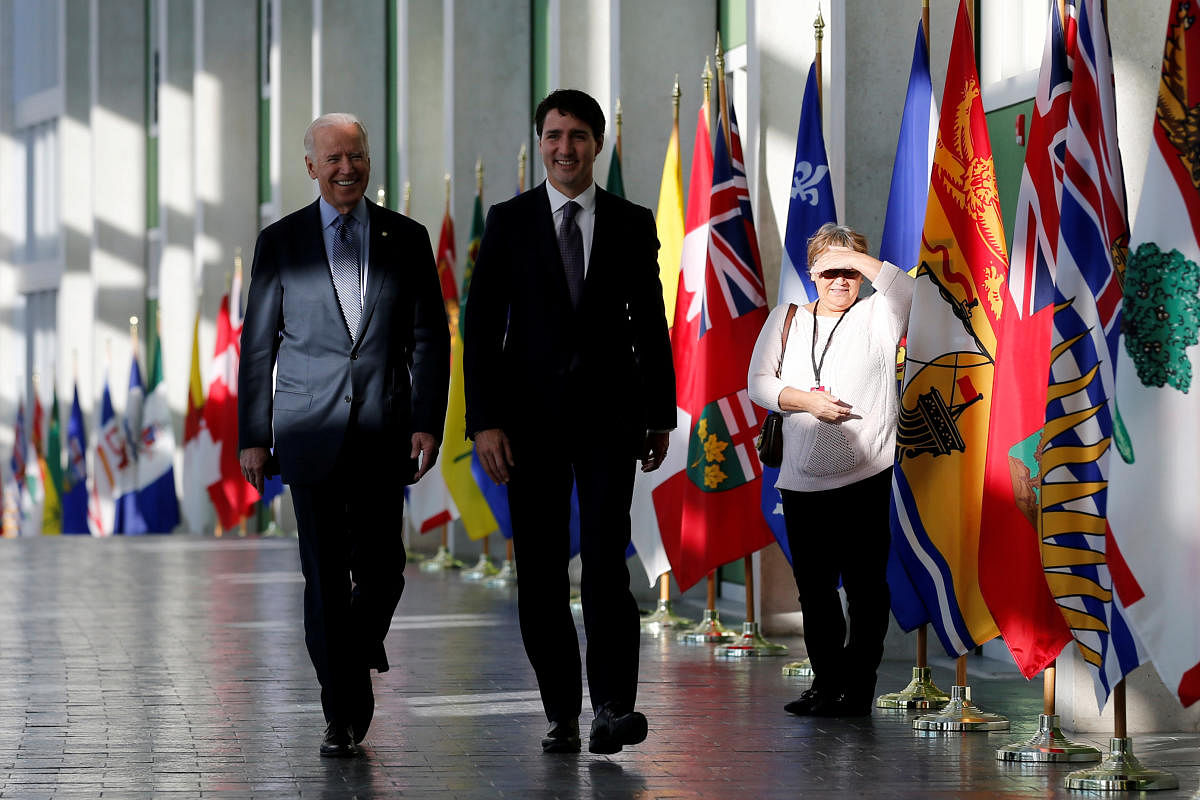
(424, 446)
(654, 451)
(254, 460)
(495, 453)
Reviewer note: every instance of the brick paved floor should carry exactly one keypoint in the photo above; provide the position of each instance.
(175, 667)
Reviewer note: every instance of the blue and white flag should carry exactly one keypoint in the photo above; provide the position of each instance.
(811, 206)
(74, 489)
(113, 469)
(900, 244)
(157, 501)
(128, 517)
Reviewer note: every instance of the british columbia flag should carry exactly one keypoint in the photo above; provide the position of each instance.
(1081, 415)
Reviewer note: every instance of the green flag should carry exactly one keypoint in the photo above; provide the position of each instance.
(52, 517)
(616, 185)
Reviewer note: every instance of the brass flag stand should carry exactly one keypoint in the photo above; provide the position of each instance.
(921, 691)
(751, 644)
(507, 576)
(442, 560)
(960, 714)
(1048, 744)
(663, 619)
(484, 568)
(1120, 770)
(709, 630)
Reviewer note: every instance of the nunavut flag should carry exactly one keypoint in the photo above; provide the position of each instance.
(1153, 499)
(720, 308)
(945, 403)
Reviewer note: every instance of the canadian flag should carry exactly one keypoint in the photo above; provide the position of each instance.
(231, 495)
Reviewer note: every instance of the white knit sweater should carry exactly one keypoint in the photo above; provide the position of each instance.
(859, 369)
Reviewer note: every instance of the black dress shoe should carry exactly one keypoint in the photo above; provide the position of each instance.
(338, 742)
(562, 737)
(803, 706)
(612, 729)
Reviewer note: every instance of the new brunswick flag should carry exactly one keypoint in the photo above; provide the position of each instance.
(941, 441)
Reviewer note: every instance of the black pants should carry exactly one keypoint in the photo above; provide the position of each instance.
(842, 532)
(352, 555)
(539, 494)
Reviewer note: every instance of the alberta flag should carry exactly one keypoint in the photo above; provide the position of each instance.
(128, 517)
(811, 206)
(156, 456)
(74, 488)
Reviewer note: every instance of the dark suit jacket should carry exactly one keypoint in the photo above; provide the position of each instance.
(395, 374)
(538, 368)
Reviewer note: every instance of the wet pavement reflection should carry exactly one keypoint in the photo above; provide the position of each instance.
(175, 667)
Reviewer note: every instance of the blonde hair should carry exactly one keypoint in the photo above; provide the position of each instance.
(833, 235)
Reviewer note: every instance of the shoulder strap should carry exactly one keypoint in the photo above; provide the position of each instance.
(787, 329)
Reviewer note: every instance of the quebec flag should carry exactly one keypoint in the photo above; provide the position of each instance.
(810, 207)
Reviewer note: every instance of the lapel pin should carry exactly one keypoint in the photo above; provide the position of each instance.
(385, 233)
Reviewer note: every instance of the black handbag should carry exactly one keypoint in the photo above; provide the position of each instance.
(770, 436)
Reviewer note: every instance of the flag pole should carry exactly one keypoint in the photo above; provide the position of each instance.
(663, 618)
(1048, 743)
(925, 20)
(921, 692)
(618, 116)
(407, 197)
(960, 714)
(522, 158)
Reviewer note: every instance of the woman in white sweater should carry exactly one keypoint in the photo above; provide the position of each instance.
(836, 386)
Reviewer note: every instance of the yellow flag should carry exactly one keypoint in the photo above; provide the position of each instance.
(669, 220)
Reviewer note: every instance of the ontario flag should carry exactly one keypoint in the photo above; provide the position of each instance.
(718, 315)
(1011, 575)
(231, 494)
(941, 437)
(1153, 502)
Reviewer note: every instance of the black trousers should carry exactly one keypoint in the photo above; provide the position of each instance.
(842, 532)
(539, 495)
(352, 555)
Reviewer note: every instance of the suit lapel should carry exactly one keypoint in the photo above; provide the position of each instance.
(600, 236)
(377, 258)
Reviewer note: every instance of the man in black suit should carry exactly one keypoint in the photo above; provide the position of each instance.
(345, 300)
(569, 379)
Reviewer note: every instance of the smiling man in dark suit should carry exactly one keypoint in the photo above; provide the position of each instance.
(569, 380)
(345, 300)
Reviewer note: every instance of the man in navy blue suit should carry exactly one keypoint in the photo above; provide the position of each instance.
(344, 299)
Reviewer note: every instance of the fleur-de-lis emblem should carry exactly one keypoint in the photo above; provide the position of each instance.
(804, 182)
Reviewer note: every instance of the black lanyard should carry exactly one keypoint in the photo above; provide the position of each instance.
(817, 365)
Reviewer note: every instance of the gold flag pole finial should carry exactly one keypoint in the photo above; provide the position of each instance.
(133, 333)
(407, 197)
(676, 93)
(722, 97)
(818, 35)
(707, 77)
(522, 158)
(479, 176)
(381, 197)
(447, 177)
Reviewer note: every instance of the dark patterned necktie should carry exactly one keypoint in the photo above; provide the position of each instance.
(343, 262)
(570, 246)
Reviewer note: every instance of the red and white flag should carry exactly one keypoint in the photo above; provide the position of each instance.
(232, 496)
